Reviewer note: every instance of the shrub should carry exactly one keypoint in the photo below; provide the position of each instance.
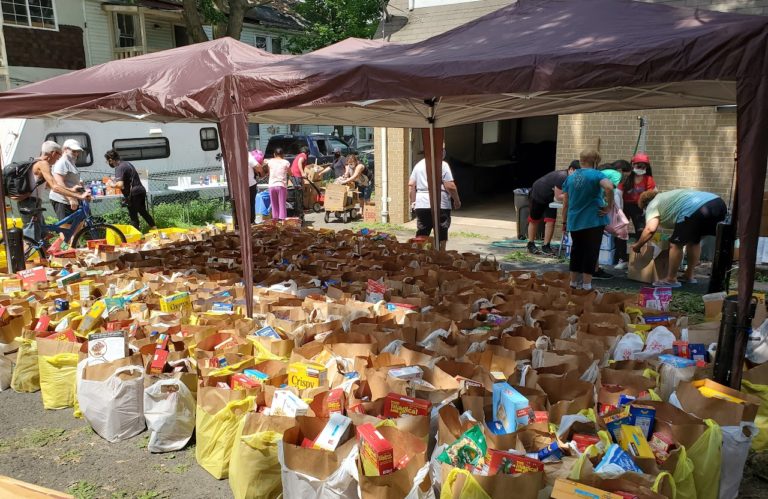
(195, 213)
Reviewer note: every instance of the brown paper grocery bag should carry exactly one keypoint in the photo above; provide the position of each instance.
(522, 486)
(317, 463)
(400, 482)
(723, 412)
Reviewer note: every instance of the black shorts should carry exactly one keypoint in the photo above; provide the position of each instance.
(537, 211)
(424, 223)
(703, 222)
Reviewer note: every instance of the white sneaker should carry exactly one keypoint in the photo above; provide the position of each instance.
(622, 265)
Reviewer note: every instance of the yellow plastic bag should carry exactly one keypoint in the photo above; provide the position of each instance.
(254, 470)
(461, 483)
(57, 380)
(216, 435)
(683, 476)
(705, 456)
(665, 485)
(26, 373)
(262, 353)
(131, 233)
(760, 442)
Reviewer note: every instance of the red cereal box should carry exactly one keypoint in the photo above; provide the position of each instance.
(506, 463)
(396, 405)
(583, 441)
(376, 452)
(334, 403)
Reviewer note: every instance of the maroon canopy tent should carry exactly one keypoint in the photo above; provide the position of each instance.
(539, 57)
(192, 83)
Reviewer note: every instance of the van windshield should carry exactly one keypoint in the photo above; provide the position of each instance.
(291, 145)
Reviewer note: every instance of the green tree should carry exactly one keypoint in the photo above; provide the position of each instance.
(330, 21)
(224, 16)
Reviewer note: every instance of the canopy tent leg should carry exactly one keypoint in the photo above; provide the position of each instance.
(752, 151)
(433, 157)
(3, 216)
(233, 130)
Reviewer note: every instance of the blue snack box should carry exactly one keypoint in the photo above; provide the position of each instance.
(643, 416)
(510, 407)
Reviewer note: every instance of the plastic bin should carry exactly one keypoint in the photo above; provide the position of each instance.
(131, 233)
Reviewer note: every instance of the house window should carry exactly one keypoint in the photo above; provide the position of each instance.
(209, 139)
(490, 132)
(253, 136)
(260, 42)
(29, 13)
(86, 157)
(145, 148)
(125, 30)
(364, 133)
(277, 46)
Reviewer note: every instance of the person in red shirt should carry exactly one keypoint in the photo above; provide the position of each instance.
(298, 165)
(639, 180)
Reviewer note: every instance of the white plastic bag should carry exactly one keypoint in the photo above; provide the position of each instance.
(114, 407)
(736, 443)
(341, 484)
(169, 408)
(659, 340)
(628, 346)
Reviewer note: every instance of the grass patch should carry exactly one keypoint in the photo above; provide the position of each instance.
(380, 227)
(521, 257)
(690, 304)
(71, 456)
(468, 235)
(83, 490)
(761, 276)
(151, 494)
(34, 439)
(180, 469)
(120, 494)
(144, 442)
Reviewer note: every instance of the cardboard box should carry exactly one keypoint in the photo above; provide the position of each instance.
(335, 401)
(634, 442)
(107, 346)
(177, 302)
(304, 375)
(510, 407)
(500, 462)
(645, 267)
(376, 453)
(334, 434)
(286, 403)
(396, 405)
(568, 489)
(643, 416)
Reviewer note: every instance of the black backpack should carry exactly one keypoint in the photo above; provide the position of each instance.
(17, 181)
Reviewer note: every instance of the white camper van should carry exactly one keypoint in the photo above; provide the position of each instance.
(165, 150)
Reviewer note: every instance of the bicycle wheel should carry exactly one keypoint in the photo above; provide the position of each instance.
(33, 253)
(96, 231)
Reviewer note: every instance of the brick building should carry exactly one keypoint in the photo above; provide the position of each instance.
(692, 147)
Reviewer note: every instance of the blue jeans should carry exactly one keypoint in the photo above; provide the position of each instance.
(36, 230)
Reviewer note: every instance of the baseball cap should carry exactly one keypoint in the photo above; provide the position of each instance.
(72, 145)
(640, 157)
(336, 149)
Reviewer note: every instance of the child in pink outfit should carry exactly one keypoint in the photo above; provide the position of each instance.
(278, 190)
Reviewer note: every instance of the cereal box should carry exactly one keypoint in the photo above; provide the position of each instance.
(510, 407)
(643, 416)
(177, 302)
(396, 405)
(334, 402)
(634, 442)
(334, 433)
(506, 463)
(307, 375)
(376, 452)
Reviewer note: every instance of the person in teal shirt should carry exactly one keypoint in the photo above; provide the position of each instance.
(587, 200)
(691, 215)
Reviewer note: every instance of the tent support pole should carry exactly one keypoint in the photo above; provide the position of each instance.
(3, 216)
(384, 178)
(434, 200)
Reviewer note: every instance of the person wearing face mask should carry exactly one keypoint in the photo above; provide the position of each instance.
(418, 191)
(635, 183)
(339, 163)
(66, 174)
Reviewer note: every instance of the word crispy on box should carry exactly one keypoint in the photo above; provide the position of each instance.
(307, 375)
(177, 302)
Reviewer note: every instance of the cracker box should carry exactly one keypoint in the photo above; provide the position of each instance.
(334, 433)
(506, 463)
(568, 489)
(510, 407)
(406, 373)
(286, 403)
(256, 374)
(12, 286)
(396, 405)
(157, 364)
(335, 401)
(634, 442)
(268, 332)
(614, 422)
(376, 453)
(107, 346)
(304, 375)
(643, 416)
(242, 382)
(177, 302)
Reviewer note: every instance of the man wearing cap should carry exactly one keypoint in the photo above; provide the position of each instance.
(339, 163)
(65, 174)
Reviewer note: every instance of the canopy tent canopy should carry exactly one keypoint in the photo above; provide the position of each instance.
(533, 57)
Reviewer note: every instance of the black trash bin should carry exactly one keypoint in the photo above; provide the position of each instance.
(522, 212)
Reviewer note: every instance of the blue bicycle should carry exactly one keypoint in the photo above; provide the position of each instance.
(78, 228)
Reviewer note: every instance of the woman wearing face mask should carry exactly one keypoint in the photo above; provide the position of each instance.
(637, 181)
